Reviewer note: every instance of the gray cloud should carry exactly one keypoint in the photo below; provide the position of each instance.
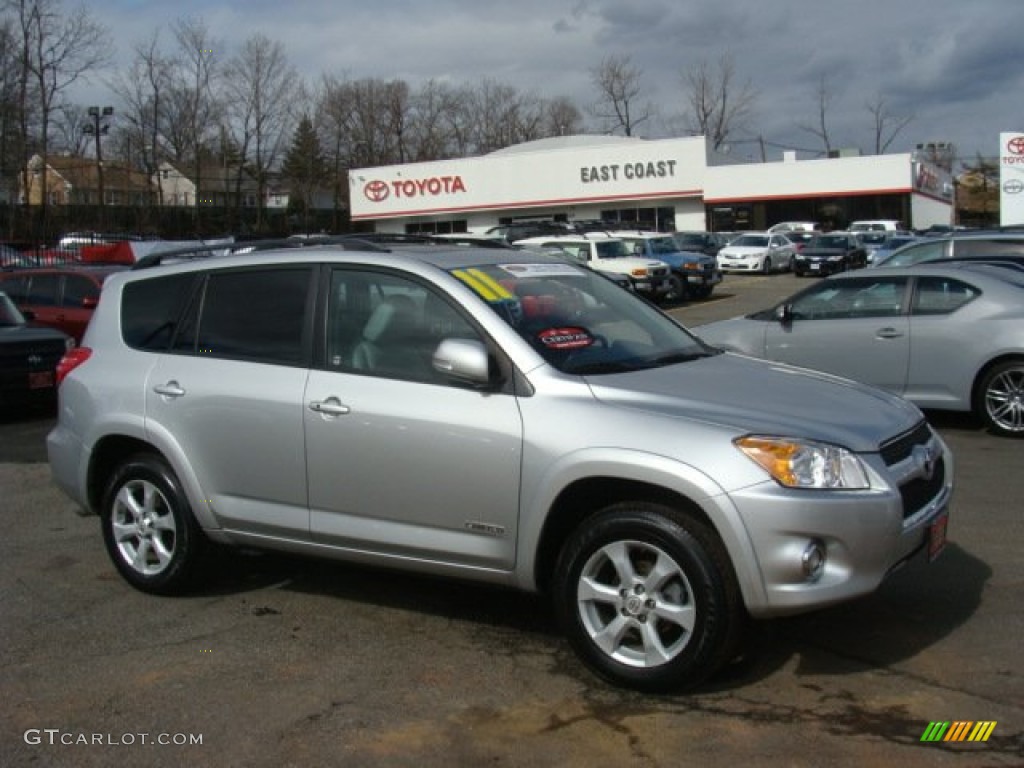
(958, 67)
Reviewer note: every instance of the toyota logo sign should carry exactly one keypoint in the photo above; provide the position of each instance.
(1015, 146)
(376, 191)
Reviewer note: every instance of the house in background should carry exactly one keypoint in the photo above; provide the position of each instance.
(220, 188)
(72, 180)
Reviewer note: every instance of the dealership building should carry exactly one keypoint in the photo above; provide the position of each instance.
(666, 184)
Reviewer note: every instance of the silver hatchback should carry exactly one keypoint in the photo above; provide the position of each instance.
(490, 415)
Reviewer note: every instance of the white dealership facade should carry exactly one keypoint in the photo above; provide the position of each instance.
(668, 184)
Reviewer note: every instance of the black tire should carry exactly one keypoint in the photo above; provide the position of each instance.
(149, 529)
(766, 265)
(666, 635)
(677, 289)
(999, 399)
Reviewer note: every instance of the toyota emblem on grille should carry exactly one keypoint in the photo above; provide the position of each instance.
(926, 457)
(34, 359)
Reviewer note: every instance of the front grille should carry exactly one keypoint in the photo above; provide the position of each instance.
(901, 447)
(917, 493)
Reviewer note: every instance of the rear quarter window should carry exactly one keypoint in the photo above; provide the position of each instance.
(150, 310)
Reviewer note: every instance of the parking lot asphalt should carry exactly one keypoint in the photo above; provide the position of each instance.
(285, 662)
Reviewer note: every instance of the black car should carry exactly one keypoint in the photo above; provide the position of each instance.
(28, 359)
(827, 254)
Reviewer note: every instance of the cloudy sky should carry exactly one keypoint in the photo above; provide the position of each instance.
(955, 66)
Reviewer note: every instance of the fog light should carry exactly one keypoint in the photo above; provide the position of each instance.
(813, 560)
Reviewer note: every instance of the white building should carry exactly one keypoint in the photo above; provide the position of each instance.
(667, 184)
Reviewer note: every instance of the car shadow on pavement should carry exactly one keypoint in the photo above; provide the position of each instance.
(914, 609)
(243, 571)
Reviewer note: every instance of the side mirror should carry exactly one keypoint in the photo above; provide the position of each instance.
(90, 302)
(784, 314)
(464, 360)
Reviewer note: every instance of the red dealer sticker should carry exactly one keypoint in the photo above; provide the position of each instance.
(569, 337)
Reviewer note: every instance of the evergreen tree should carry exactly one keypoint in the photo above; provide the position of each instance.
(304, 169)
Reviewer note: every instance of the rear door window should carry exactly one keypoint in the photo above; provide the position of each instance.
(263, 315)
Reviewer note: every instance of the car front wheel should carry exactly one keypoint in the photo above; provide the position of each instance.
(1000, 399)
(148, 527)
(647, 597)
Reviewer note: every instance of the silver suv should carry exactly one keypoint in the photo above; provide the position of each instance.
(491, 415)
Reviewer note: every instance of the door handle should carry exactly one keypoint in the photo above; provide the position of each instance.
(332, 406)
(170, 389)
(888, 333)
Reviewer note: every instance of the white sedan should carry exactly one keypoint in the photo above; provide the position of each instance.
(757, 252)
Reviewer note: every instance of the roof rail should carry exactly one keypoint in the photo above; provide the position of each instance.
(346, 242)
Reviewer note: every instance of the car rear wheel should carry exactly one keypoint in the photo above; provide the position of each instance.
(647, 597)
(148, 527)
(1000, 399)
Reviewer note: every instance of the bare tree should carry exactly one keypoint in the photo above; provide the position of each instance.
(562, 117)
(819, 128)
(887, 126)
(718, 106)
(333, 118)
(428, 135)
(11, 137)
(57, 48)
(193, 96)
(69, 123)
(619, 92)
(144, 92)
(260, 88)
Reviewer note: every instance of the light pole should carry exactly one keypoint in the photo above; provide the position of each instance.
(99, 128)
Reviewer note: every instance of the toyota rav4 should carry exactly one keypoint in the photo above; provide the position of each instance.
(491, 415)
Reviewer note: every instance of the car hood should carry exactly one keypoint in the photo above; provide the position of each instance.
(760, 397)
(743, 250)
(625, 263)
(678, 258)
(821, 253)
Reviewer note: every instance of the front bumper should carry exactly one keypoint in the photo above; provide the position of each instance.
(652, 286)
(865, 536)
(817, 267)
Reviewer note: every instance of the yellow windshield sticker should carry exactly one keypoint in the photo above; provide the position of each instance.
(499, 290)
(480, 288)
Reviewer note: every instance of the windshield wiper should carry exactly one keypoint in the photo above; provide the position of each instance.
(607, 366)
(672, 358)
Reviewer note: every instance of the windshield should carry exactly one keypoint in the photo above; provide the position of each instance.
(611, 249)
(827, 241)
(579, 321)
(689, 240)
(750, 241)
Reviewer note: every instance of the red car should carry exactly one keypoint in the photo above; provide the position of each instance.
(61, 297)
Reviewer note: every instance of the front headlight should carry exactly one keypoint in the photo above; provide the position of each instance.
(805, 463)
(639, 272)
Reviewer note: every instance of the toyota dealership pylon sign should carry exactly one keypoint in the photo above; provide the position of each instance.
(1011, 179)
